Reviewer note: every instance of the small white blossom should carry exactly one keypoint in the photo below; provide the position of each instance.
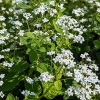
(45, 20)
(2, 94)
(5, 63)
(27, 15)
(2, 76)
(21, 33)
(51, 53)
(1, 56)
(2, 18)
(29, 80)
(45, 76)
(1, 83)
(25, 92)
(98, 10)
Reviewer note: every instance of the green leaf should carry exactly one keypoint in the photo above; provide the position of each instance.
(98, 55)
(59, 73)
(30, 34)
(42, 49)
(96, 44)
(98, 17)
(25, 40)
(10, 97)
(50, 90)
(33, 56)
(20, 67)
(11, 80)
(24, 6)
(58, 84)
(42, 67)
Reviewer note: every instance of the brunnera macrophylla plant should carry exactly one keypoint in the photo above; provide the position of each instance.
(37, 41)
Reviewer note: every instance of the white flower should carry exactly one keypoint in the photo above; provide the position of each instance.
(1, 56)
(52, 12)
(51, 53)
(45, 77)
(78, 76)
(42, 9)
(5, 63)
(61, 6)
(45, 20)
(18, 23)
(21, 33)
(52, 3)
(54, 37)
(98, 9)
(84, 55)
(2, 76)
(25, 92)
(0, 1)
(69, 91)
(79, 39)
(97, 4)
(27, 15)
(37, 25)
(1, 83)
(2, 18)
(88, 59)
(78, 12)
(69, 74)
(29, 80)
(1, 94)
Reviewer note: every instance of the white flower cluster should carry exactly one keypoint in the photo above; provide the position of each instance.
(68, 23)
(29, 80)
(1, 56)
(27, 15)
(45, 76)
(84, 75)
(5, 63)
(5, 50)
(51, 53)
(65, 58)
(42, 9)
(21, 33)
(79, 12)
(26, 93)
(3, 38)
(1, 83)
(45, 8)
(76, 38)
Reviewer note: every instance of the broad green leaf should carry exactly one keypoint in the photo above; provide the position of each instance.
(24, 6)
(42, 67)
(42, 49)
(10, 97)
(58, 84)
(20, 67)
(25, 40)
(50, 90)
(11, 80)
(59, 73)
(33, 56)
(96, 44)
(30, 34)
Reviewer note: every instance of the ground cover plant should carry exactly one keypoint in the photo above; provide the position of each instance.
(49, 49)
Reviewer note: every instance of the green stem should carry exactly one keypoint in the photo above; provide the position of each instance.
(28, 26)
